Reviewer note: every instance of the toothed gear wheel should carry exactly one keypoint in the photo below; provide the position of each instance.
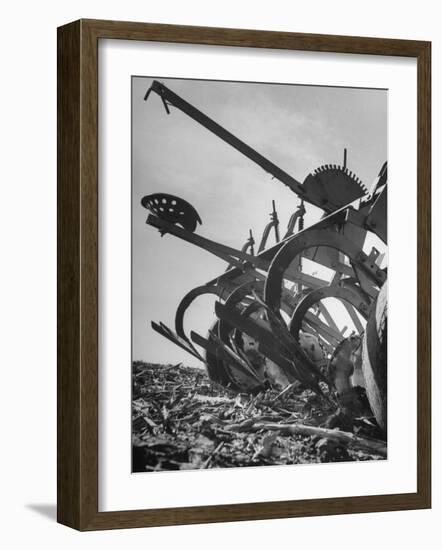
(331, 187)
(172, 209)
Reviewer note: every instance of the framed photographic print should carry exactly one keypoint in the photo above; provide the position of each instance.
(243, 274)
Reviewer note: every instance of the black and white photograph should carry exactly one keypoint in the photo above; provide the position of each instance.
(259, 274)
(217, 328)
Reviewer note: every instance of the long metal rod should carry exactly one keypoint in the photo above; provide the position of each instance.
(226, 253)
(170, 97)
(327, 316)
(354, 317)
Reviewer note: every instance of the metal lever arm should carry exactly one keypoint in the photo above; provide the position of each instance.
(170, 98)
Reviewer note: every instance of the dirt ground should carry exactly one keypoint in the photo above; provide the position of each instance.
(181, 420)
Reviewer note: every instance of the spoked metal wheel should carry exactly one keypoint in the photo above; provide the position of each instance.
(355, 293)
(370, 277)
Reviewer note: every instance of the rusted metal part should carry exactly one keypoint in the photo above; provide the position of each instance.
(251, 310)
(345, 224)
(231, 356)
(377, 217)
(248, 246)
(243, 298)
(351, 283)
(237, 298)
(372, 212)
(312, 238)
(275, 339)
(236, 274)
(227, 253)
(241, 375)
(368, 285)
(297, 216)
(327, 316)
(328, 333)
(374, 358)
(187, 301)
(273, 224)
(357, 300)
(354, 317)
(246, 289)
(328, 257)
(330, 187)
(328, 347)
(258, 310)
(269, 345)
(340, 366)
(217, 369)
(377, 187)
(165, 331)
(247, 346)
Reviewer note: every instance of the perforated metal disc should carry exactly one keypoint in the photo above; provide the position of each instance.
(172, 209)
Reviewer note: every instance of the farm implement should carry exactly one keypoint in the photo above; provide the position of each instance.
(273, 326)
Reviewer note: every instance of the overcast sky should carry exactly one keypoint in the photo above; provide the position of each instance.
(299, 128)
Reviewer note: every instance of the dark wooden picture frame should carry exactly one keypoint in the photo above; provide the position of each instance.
(78, 274)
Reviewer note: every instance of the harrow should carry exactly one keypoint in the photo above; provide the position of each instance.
(272, 327)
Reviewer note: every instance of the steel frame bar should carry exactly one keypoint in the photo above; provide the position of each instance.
(226, 253)
(354, 317)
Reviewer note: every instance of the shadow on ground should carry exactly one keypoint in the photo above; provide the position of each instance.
(48, 511)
